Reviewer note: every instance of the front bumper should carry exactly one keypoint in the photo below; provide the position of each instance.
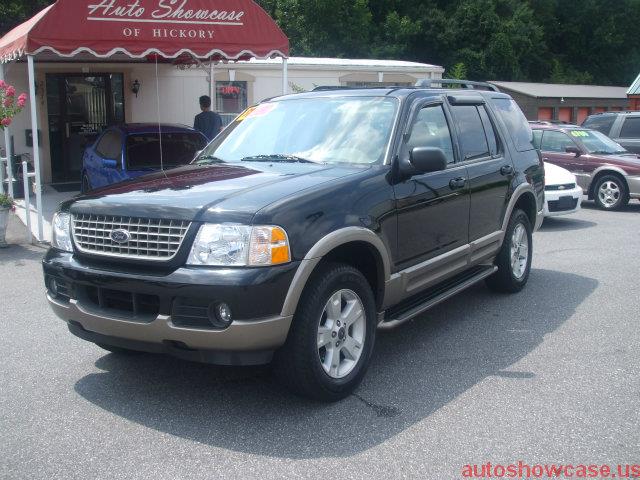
(255, 296)
(556, 202)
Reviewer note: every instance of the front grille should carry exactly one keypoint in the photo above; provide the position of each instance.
(566, 186)
(564, 203)
(149, 238)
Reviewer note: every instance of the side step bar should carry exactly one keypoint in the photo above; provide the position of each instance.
(435, 297)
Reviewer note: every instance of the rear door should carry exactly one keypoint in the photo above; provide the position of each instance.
(489, 167)
(553, 145)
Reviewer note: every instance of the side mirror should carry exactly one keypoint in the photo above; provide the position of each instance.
(575, 150)
(428, 159)
(108, 163)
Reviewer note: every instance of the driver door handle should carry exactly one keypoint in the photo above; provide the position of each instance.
(506, 170)
(456, 183)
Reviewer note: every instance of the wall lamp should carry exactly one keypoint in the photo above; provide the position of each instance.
(135, 87)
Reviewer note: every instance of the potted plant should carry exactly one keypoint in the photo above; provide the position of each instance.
(6, 206)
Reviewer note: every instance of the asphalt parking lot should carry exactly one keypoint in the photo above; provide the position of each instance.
(545, 376)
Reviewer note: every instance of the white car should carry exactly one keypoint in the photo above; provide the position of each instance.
(562, 194)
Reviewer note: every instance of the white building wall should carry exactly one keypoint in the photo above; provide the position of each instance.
(179, 89)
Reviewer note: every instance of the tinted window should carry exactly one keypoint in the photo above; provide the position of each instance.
(490, 132)
(472, 138)
(143, 150)
(554, 141)
(602, 123)
(110, 145)
(516, 123)
(630, 128)
(431, 130)
(537, 137)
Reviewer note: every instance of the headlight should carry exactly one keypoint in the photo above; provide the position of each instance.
(61, 235)
(239, 245)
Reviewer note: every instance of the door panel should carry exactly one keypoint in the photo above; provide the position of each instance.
(488, 187)
(433, 218)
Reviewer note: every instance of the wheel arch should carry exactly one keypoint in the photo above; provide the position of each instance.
(524, 199)
(355, 246)
(606, 170)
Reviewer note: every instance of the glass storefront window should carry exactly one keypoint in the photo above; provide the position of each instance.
(231, 97)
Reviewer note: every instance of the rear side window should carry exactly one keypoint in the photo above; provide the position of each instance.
(516, 123)
(630, 128)
(473, 141)
(537, 137)
(492, 137)
(431, 130)
(602, 123)
(110, 145)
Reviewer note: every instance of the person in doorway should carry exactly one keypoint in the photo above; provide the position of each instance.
(207, 122)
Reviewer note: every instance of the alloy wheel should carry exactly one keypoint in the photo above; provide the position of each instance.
(609, 194)
(341, 333)
(519, 251)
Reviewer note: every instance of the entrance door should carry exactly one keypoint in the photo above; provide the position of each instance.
(79, 107)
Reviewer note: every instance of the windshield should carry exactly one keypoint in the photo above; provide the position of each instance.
(596, 142)
(143, 149)
(321, 130)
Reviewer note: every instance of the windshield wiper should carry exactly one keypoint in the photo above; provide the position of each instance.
(278, 157)
(208, 159)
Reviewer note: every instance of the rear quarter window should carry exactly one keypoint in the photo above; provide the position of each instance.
(515, 121)
(630, 128)
(601, 123)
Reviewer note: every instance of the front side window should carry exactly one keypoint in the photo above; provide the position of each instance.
(431, 130)
(537, 138)
(317, 129)
(473, 141)
(554, 141)
(143, 150)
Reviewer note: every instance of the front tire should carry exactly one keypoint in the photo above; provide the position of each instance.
(514, 259)
(610, 193)
(329, 346)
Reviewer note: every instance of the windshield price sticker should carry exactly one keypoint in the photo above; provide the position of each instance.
(262, 110)
(579, 133)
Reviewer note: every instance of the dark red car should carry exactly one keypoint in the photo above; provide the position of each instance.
(608, 174)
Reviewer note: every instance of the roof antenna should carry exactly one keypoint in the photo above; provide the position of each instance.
(158, 104)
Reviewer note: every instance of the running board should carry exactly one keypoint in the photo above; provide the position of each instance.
(399, 315)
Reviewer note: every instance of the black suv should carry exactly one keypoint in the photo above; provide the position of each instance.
(310, 223)
(622, 127)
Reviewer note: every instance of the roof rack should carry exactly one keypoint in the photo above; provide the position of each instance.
(615, 111)
(429, 83)
(325, 88)
(553, 122)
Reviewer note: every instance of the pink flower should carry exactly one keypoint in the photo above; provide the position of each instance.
(5, 122)
(22, 96)
(7, 102)
(21, 102)
(10, 91)
(3, 85)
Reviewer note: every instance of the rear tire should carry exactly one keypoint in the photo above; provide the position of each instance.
(514, 259)
(610, 193)
(331, 339)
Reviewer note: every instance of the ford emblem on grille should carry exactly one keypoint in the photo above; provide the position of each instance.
(120, 235)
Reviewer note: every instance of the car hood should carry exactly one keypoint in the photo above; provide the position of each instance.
(554, 175)
(219, 192)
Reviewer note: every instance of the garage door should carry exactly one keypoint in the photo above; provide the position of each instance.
(564, 114)
(545, 113)
(583, 112)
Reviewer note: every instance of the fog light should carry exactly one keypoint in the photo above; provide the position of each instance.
(223, 313)
(53, 286)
